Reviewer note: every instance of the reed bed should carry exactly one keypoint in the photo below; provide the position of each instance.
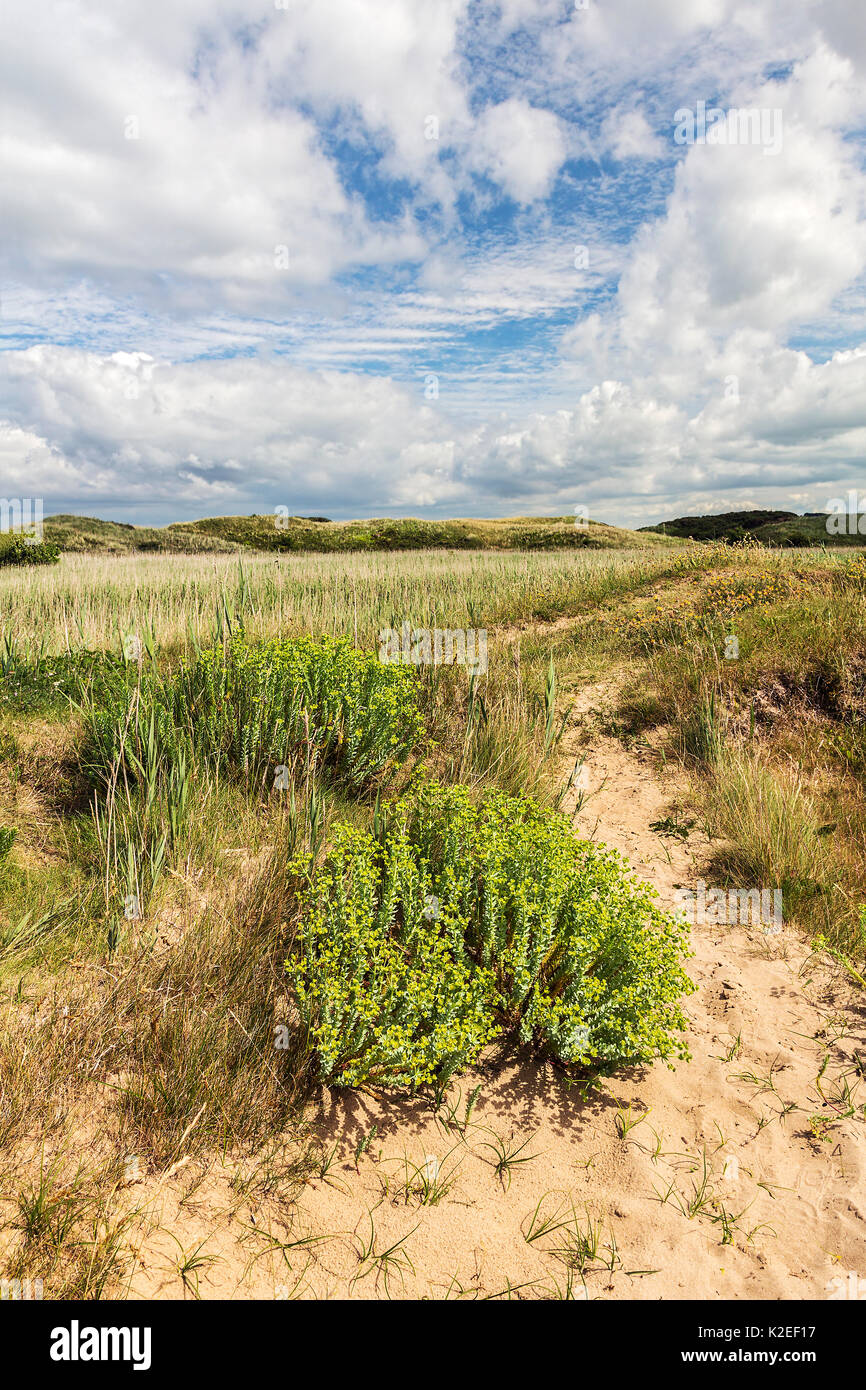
(86, 601)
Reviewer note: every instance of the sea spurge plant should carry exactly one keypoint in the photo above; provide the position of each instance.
(382, 985)
(251, 707)
(535, 936)
(587, 965)
(248, 709)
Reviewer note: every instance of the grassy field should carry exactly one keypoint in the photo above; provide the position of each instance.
(88, 602)
(137, 768)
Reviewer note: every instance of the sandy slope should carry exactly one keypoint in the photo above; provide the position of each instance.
(784, 1211)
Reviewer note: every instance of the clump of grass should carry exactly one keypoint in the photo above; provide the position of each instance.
(491, 734)
(508, 1155)
(205, 1033)
(772, 828)
(426, 1183)
(71, 1238)
(385, 1264)
(196, 1045)
(579, 1246)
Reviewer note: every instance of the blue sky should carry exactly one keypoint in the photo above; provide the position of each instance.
(366, 257)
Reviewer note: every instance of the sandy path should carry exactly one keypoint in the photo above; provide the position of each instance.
(783, 1212)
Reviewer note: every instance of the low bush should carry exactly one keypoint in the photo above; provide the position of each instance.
(20, 550)
(248, 709)
(453, 924)
(252, 706)
(388, 995)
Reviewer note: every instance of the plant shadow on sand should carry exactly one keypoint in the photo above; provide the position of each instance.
(521, 1088)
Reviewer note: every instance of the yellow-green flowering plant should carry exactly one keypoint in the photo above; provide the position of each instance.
(249, 708)
(252, 706)
(454, 923)
(381, 981)
(588, 967)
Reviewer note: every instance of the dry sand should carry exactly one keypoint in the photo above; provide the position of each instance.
(784, 1200)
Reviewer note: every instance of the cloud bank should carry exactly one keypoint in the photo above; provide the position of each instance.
(365, 256)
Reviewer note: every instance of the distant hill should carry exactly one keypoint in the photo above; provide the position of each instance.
(725, 526)
(277, 533)
(88, 533)
(775, 528)
(413, 533)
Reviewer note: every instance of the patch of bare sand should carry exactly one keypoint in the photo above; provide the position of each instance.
(740, 1178)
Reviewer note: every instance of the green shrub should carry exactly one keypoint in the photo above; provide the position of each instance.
(249, 709)
(19, 550)
(417, 945)
(387, 996)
